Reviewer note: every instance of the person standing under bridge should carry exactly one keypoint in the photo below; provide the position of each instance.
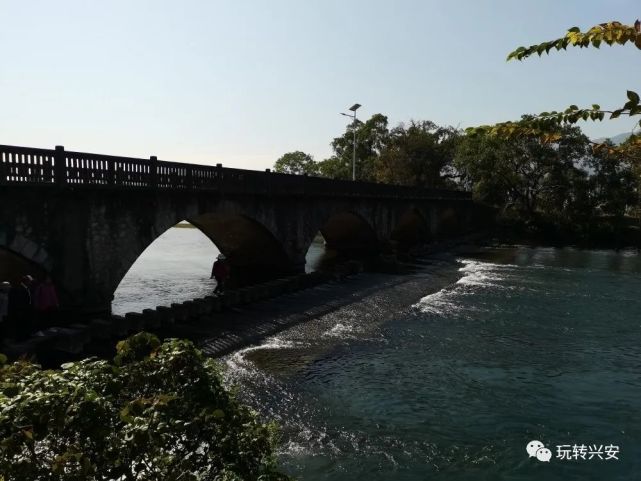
(45, 303)
(220, 271)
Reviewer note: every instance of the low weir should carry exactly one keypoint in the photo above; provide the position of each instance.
(98, 336)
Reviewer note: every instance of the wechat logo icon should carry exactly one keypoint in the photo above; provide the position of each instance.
(536, 449)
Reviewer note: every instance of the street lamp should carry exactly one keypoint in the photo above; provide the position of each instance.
(353, 108)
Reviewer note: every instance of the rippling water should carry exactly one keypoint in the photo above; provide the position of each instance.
(529, 344)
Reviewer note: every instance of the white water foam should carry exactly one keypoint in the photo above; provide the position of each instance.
(341, 331)
(484, 274)
(238, 366)
(476, 274)
(439, 303)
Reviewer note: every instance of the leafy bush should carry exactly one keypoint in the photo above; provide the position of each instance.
(158, 412)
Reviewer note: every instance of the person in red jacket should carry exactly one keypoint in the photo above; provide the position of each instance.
(45, 303)
(220, 271)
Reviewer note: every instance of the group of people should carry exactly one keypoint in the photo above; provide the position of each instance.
(26, 306)
(29, 305)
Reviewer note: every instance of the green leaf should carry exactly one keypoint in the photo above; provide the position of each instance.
(633, 96)
(616, 114)
(629, 105)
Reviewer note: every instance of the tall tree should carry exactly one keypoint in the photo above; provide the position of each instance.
(525, 174)
(296, 162)
(371, 137)
(613, 182)
(420, 154)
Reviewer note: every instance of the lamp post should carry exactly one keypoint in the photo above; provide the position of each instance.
(353, 108)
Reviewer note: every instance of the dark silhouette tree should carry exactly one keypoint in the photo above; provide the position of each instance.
(297, 162)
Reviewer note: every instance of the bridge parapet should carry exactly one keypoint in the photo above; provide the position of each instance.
(59, 167)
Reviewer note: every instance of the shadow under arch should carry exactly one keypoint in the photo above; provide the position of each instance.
(448, 223)
(14, 266)
(412, 229)
(252, 252)
(349, 234)
(21, 322)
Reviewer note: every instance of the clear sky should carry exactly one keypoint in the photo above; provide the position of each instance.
(241, 82)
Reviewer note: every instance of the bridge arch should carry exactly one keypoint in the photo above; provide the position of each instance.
(26, 249)
(412, 228)
(348, 231)
(22, 256)
(448, 222)
(174, 267)
(345, 231)
(252, 250)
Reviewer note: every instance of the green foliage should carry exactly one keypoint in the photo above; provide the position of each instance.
(336, 168)
(371, 137)
(513, 166)
(630, 150)
(523, 173)
(612, 182)
(557, 192)
(548, 125)
(297, 162)
(159, 412)
(419, 154)
(611, 33)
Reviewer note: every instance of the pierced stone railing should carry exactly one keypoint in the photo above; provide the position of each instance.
(59, 167)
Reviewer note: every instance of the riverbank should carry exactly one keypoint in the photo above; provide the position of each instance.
(600, 233)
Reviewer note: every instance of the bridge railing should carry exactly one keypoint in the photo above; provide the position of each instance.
(21, 165)
(29, 166)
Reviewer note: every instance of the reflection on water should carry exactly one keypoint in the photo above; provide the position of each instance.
(176, 268)
(530, 344)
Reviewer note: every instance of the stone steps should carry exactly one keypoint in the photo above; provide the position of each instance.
(192, 319)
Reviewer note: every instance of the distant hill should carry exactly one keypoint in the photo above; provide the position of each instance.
(617, 139)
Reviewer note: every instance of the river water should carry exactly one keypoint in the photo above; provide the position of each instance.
(176, 267)
(529, 344)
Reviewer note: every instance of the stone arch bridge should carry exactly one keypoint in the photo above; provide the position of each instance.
(85, 218)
